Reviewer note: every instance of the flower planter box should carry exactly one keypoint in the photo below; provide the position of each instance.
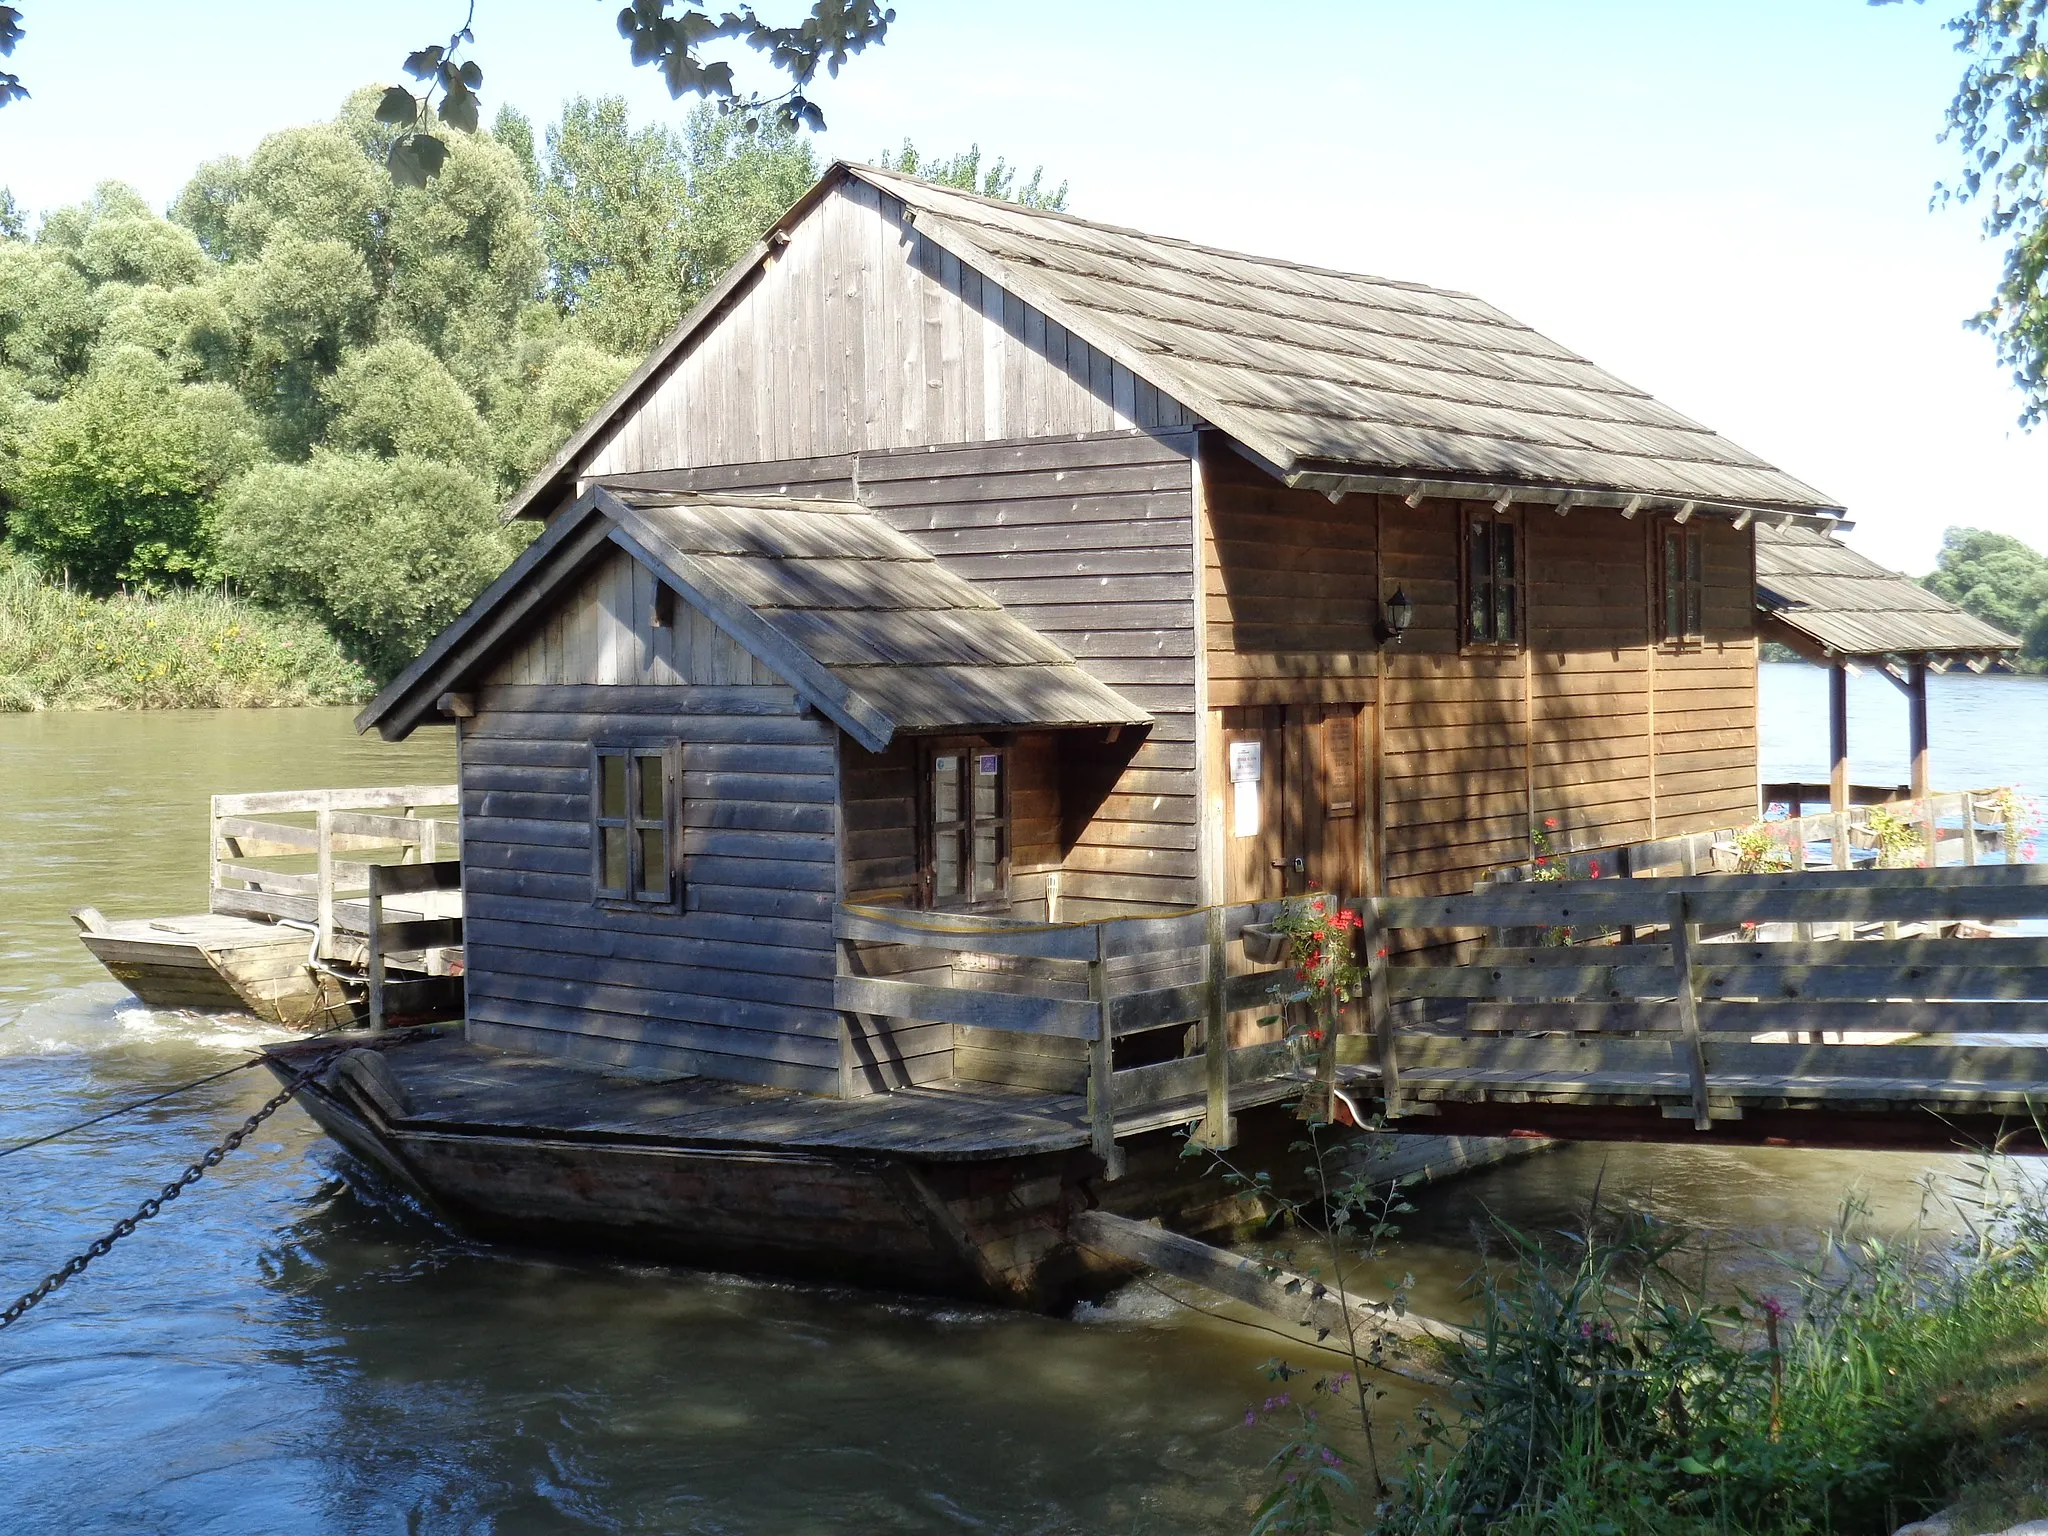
(1264, 944)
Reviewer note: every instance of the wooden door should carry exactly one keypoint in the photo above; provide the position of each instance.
(1295, 803)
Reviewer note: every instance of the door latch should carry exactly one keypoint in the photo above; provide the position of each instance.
(1298, 864)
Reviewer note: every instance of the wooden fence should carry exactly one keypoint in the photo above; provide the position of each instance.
(1961, 828)
(410, 938)
(1094, 983)
(1666, 1017)
(1701, 1027)
(314, 827)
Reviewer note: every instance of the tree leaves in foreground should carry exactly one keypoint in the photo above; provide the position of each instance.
(671, 36)
(1999, 118)
(2000, 580)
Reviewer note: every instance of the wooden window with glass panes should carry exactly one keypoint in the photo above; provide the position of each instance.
(1681, 584)
(966, 825)
(1493, 581)
(634, 815)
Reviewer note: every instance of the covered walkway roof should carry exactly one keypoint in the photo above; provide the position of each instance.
(1827, 602)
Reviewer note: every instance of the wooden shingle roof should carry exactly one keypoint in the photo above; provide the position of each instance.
(1325, 373)
(863, 622)
(1820, 595)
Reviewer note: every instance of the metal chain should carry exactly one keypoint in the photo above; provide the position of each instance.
(184, 1181)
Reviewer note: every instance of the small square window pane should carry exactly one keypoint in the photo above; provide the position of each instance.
(947, 874)
(653, 884)
(611, 786)
(612, 858)
(988, 785)
(946, 799)
(988, 852)
(648, 769)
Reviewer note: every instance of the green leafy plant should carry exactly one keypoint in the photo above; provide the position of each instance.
(2020, 818)
(1759, 852)
(1900, 844)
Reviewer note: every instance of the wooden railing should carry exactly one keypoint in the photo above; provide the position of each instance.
(1094, 983)
(410, 936)
(314, 827)
(1959, 828)
(1700, 1025)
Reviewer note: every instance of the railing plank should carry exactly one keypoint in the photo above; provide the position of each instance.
(1875, 982)
(270, 802)
(1139, 1088)
(1531, 982)
(958, 934)
(271, 879)
(1067, 1018)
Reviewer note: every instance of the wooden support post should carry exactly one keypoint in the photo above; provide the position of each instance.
(1969, 828)
(1838, 736)
(323, 898)
(1324, 1107)
(1916, 732)
(1218, 1129)
(1102, 1069)
(1379, 1017)
(1683, 937)
(212, 852)
(373, 960)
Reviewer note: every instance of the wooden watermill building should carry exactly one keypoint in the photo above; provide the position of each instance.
(957, 556)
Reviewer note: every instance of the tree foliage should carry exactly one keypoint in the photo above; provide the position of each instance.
(1999, 119)
(639, 223)
(384, 552)
(2000, 580)
(117, 481)
(304, 342)
(964, 171)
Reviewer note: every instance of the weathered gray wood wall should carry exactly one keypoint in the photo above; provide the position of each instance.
(1090, 541)
(862, 333)
(738, 984)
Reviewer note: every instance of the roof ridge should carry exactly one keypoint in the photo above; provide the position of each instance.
(1057, 215)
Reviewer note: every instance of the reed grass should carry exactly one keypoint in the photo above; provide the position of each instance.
(1610, 1391)
(186, 650)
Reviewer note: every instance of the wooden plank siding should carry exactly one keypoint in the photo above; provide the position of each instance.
(1588, 724)
(738, 983)
(1091, 543)
(863, 334)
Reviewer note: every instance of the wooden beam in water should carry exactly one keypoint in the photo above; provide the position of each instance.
(1403, 1343)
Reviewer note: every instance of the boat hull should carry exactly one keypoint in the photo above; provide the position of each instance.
(992, 1229)
(211, 963)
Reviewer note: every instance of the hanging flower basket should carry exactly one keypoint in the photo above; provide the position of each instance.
(1264, 944)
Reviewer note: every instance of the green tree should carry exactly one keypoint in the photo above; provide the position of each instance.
(384, 552)
(117, 481)
(1999, 120)
(13, 222)
(638, 224)
(48, 322)
(562, 380)
(2000, 580)
(964, 171)
(397, 399)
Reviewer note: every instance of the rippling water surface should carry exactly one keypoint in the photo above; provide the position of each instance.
(292, 1347)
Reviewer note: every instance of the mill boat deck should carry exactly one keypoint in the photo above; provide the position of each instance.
(216, 962)
(951, 1188)
(286, 936)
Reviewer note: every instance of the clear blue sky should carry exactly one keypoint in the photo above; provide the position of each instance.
(1724, 201)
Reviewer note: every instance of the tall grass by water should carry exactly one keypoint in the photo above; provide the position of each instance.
(1613, 1390)
(62, 650)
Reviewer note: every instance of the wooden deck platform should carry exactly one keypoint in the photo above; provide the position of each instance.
(216, 962)
(454, 1085)
(959, 1189)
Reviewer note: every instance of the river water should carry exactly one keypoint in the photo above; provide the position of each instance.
(291, 1347)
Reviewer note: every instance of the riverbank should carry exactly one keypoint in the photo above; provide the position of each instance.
(187, 650)
(1614, 1387)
